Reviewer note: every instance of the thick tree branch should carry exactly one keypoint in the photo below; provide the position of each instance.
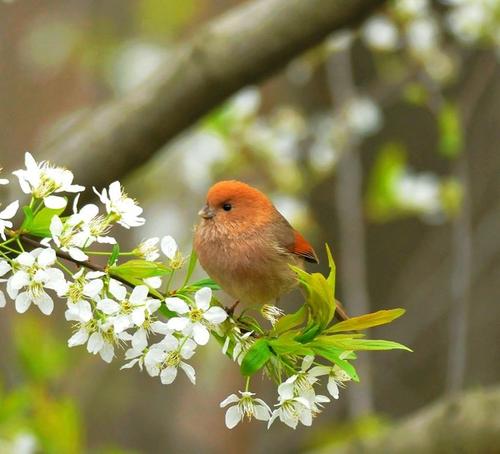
(468, 423)
(242, 47)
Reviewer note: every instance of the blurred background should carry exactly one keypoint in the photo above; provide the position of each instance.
(381, 141)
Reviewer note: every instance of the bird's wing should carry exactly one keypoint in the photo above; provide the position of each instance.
(303, 249)
(292, 241)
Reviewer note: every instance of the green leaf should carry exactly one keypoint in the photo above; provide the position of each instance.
(319, 297)
(333, 270)
(450, 129)
(333, 355)
(290, 321)
(204, 283)
(139, 269)
(256, 358)
(39, 224)
(193, 259)
(288, 345)
(166, 312)
(309, 333)
(114, 254)
(367, 321)
(28, 217)
(354, 344)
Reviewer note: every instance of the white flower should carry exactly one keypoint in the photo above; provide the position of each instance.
(68, 237)
(3, 181)
(124, 209)
(4, 269)
(303, 381)
(271, 313)
(165, 357)
(138, 350)
(5, 215)
(380, 33)
(336, 378)
(153, 282)
(84, 286)
(246, 405)
(127, 312)
(41, 180)
(197, 316)
(32, 271)
(290, 408)
(148, 249)
(103, 341)
(169, 247)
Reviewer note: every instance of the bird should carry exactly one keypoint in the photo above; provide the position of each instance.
(247, 246)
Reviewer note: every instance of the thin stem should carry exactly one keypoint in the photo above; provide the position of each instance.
(247, 384)
(15, 251)
(169, 282)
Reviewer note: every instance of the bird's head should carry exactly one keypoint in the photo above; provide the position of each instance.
(236, 204)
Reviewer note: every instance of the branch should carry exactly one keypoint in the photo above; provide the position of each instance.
(467, 423)
(65, 256)
(242, 47)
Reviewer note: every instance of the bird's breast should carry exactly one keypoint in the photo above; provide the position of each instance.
(249, 265)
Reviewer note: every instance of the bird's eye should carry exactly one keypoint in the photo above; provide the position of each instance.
(227, 207)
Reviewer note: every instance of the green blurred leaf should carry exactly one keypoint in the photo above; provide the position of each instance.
(366, 321)
(388, 169)
(139, 269)
(42, 356)
(256, 358)
(160, 18)
(450, 131)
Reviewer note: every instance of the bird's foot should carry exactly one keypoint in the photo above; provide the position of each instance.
(230, 310)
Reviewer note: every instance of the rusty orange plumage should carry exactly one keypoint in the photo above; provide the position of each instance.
(246, 245)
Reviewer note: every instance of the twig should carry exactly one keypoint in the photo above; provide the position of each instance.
(65, 256)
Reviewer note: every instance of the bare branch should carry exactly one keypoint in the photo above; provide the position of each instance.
(242, 47)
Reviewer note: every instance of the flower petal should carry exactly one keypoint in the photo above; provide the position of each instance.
(233, 416)
(203, 297)
(215, 315)
(231, 399)
(55, 202)
(177, 305)
(167, 376)
(200, 334)
(169, 246)
(23, 302)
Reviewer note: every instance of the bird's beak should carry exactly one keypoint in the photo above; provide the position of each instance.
(206, 212)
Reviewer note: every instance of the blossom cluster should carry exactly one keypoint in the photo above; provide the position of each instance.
(127, 305)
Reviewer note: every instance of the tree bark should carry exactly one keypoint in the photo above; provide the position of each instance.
(242, 47)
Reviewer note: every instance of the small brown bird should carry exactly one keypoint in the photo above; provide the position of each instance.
(246, 245)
